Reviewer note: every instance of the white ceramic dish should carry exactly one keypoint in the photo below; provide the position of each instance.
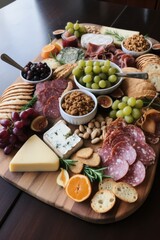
(134, 53)
(102, 90)
(37, 81)
(77, 120)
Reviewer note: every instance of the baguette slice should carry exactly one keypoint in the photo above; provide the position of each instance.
(106, 184)
(125, 192)
(103, 201)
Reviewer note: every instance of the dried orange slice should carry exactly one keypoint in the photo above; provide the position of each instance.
(49, 50)
(78, 188)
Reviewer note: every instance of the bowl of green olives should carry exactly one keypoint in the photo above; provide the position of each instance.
(98, 76)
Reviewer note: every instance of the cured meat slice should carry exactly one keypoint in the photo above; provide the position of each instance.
(136, 174)
(125, 151)
(135, 133)
(105, 153)
(117, 168)
(121, 137)
(145, 153)
(51, 109)
(60, 84)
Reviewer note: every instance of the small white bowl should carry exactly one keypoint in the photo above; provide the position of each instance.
(37, 81)
(102, 91)
(136, 53)
(77, 120)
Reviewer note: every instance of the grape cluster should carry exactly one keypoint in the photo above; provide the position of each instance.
(15, 131)
(128, 108)
(75, 29)
(95, 74)
(36, 71)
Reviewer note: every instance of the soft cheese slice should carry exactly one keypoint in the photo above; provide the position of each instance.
(34, 155)
(97, 39)
(61, 140)
(114, 32)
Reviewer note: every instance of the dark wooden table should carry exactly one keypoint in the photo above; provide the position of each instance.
(24, 29)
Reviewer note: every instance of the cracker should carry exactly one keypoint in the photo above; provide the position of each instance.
(5, 115)
(93, 161)
(77, 168)
(14, 102)
(84, 152)
(21, 97)
(125, 192)
(103, 201)
(106, 184)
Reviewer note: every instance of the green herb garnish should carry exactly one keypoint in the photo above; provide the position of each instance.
(29, 104)
(65, 163)
(115, 34)
(95, 174)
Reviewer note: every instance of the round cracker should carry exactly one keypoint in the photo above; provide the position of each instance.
(21, 97)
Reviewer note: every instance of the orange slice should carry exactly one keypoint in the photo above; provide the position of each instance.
(49, 50)
(78, 188)
(63, 178)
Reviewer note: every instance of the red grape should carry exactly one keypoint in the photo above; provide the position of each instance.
(5, 122)
(4, 134)
(22, 138)
(17, 131)
(12, 139)
(15, 116)
(8, 149)
(19, 124)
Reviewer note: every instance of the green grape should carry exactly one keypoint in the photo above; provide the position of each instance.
(89, 63)
(119, 113)
(107, 63)
(131, 101)
(69, 25)
(121, 105)
(87, 78)
(112, 78)
(136, 113)
(112, 114)
(102, 84)
(82, 29)
(76, 26)
(96, 63)
(103, 76)
(71, 31)
(88, 84)
(104, 69)
(77, 72)
(96, 79)
(139, 103)
(127, 110)
(129, 119)
(77, 34)
(95, 86)
(81, 81)
(112, 71)
(108, 84)
(125, 99)
(96, 69)
(115, 104)
(88, 69)
(81, 63)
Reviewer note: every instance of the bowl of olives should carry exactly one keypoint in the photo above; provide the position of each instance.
(35, 72)
(98, 76)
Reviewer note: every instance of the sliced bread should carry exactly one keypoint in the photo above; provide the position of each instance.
(125, 192)
(103, 201)
(106, 184)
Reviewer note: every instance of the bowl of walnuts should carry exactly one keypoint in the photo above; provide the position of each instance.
(78, 106)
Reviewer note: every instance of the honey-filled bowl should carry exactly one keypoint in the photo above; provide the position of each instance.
(98, 77)
(35, 72)
(78, 106)
(136, 45)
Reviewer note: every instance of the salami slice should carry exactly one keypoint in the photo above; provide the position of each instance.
(105, 153)
(145, 153)
(51, 108)
(135, 133)
(116, 168)
(136, 174)
(125, 151)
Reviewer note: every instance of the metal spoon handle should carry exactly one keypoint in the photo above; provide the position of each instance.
(10, 61)
(141, 75)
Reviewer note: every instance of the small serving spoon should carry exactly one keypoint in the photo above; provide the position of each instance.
(141, 75)
(10, 61)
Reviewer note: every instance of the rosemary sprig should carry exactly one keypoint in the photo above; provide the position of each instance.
(115, 34)
(65, 163)
(94, 174)
(29, 104)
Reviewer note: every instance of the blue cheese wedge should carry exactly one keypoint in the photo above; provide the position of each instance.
(34, 156)
(117, 34)
(97, 39)
(61, 140)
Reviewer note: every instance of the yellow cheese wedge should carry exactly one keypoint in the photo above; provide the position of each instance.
(34, 155)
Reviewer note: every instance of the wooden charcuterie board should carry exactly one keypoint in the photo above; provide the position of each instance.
(43, 186)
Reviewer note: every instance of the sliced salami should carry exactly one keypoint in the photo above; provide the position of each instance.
(116, 168)
(135, 133)
(136, 174)
(124, 150)
(105, 153)
(145, 153)
(51, 108)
